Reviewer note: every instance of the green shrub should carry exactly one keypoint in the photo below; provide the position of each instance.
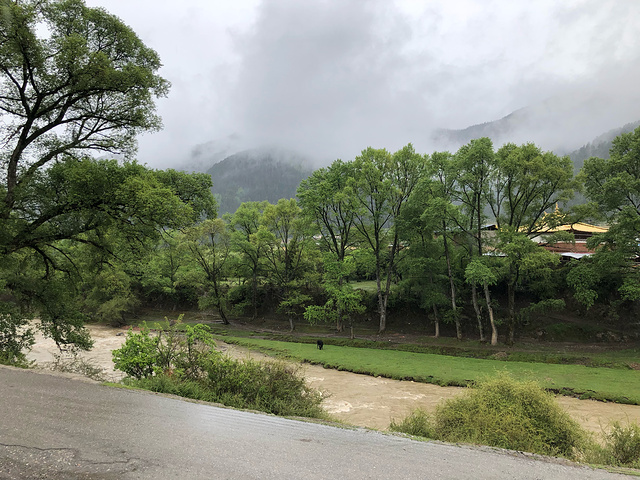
(185, 348)
(623, 444)
(503, 413)
(165, 383)
(180, 360)
(274, 387)
(417, 423)
(138, 356)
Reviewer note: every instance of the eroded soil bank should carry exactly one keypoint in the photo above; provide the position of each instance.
(352, 398)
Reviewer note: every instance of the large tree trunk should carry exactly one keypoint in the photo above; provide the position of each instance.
(382, 304)
(339, 322)
(383, 313)
(476, 307)
(494, 330)
(219, 304)
(511, 292)
(254, 295)
(292, 326)
(452, 285)
(223, 316)
(383, 296)
(436, 316)
(436, 320)
(383, 300)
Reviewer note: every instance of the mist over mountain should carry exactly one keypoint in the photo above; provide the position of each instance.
(204, 155)
(560, 124)
(258, 174)
(599, 146)
(243, 174)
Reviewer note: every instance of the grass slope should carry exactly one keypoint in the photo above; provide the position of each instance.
(618, 385)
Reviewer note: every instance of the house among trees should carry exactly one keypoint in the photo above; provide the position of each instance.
(576, 249)
(567, 249)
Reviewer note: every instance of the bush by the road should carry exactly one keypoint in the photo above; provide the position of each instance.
(182, 361)
(623, 444)
(504, 413)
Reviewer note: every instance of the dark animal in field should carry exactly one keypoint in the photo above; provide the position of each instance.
(320, 344)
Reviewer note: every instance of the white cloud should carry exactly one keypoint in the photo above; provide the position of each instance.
(331, 77)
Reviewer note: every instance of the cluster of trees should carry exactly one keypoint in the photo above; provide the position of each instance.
(88, 238)
(74, 81)
(422, 219)
(417, 225)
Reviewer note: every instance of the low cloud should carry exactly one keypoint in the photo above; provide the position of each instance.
(329, 78)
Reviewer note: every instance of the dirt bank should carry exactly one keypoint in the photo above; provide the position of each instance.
(355, 399)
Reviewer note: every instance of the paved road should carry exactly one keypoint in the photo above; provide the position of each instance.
(56, 428)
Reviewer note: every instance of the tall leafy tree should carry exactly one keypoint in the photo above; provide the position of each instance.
(424, 272)
(475, 164)
(287, 236)
(343, 301)
(324, 199)
(85, 82)
(193, 189)
(209, 245)
(381, 186)
(478, 272)
(73, 80)
(286, 233)
(248, 245)
(613, 185)
(438, 186)
(526, 188)
(112, 208)
(168, 276)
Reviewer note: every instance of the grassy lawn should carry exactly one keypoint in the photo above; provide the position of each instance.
(610, 384)
(549, 353)
(369, 286)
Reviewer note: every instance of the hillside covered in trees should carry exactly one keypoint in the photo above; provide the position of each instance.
(256, 175)
(600, 146)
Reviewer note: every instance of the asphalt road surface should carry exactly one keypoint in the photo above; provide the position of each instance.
(53, 427)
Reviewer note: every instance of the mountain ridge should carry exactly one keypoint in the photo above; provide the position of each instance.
(271, 173)
(257, 175)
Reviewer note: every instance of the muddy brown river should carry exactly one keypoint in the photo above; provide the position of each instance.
(351, 398)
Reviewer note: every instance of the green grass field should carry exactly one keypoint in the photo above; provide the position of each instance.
(369, 286)
(609, 384)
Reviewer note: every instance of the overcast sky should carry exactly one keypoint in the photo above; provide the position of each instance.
(330, 77)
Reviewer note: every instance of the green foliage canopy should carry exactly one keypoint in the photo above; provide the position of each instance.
(76, 80)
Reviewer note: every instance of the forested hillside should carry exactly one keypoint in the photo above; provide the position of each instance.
(256, 175)
(270, 174)
(495, 130)
(600, 146)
